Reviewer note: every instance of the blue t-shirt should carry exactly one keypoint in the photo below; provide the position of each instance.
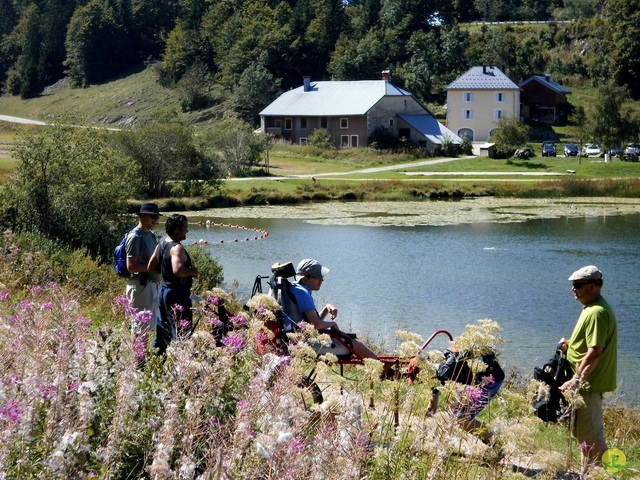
(303, 298)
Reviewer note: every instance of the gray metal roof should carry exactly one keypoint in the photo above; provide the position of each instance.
(326, 99)
(484, 77)
(431, 128)
(547, 82)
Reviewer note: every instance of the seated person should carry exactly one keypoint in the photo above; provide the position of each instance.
(310, 276)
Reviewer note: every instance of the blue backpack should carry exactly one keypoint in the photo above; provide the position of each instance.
(120, 255)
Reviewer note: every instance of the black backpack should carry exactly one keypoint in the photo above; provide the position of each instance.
(120, 255)
(553, 373)
(456, 368)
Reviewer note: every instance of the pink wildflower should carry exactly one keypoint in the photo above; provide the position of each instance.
(35, 289)
(11, 411)
(47, 390)
(238, 320)
(215, 322)
(52, 285)
(233, 342)
(214, 300)
(4, 295)
(178, 307)
(474, 395)
(46, 306)
(261, 337)
(296, 445)
(25, 305)
(144, 317)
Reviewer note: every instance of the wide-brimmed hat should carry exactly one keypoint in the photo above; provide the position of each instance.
(590, 272)
(149, 209)
(311, 267)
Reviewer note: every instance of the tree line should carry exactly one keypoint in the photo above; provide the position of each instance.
(243, 53)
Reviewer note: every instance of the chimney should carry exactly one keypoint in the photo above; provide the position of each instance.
(386, 75)
(547, 77)
(307, 83)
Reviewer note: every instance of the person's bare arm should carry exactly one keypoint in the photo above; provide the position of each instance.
(320, 324)
(588, 364)
(179, 263)
(154, 265)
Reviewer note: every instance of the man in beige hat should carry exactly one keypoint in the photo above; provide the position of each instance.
(592, 353)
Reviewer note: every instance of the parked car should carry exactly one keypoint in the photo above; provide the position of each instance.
(524, 153)
(592, 150)
(631, 153)
(571, 150)
(548, 149)
(616, 152)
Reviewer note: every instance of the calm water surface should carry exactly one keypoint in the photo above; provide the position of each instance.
(425, 278)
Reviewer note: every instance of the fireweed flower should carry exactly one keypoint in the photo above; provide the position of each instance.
(46, 306)
(35, 289)
(239, 320)
(47, 390)
(4, 295)
(11, 411)
(25, 305)
(215, 322)
(178, 308)
(52, 285)
(144, 317)
(233, 342)
(296, 445)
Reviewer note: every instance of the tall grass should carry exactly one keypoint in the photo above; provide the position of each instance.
(73, 405)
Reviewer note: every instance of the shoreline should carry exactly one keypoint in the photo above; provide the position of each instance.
(431, 212)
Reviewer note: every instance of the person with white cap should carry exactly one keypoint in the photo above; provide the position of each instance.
(592, 353)
(311, 275)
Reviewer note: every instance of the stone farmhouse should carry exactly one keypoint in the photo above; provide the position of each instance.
(351, 111)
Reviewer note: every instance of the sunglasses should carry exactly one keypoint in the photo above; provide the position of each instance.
(578, 285)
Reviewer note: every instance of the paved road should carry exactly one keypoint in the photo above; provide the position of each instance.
(7, 118)
(402, 166)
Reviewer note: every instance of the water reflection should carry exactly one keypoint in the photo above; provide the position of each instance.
(430, 277)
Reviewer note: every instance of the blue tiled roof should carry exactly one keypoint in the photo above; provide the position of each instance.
(431, 128)
(483, 78)
(333, 98)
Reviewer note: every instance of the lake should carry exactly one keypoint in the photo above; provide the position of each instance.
(424, 278)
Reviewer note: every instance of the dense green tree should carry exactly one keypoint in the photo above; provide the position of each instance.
(621, 33)
(69, 184)
(363, 60)
(235, 145)
(23, 50)
(256, 89)
(510, 135)
(166, 152)
(181, 51)
(152, 21)
(98, 42)
(607, 122)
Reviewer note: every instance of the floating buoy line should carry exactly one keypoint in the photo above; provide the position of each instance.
(209, 224)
